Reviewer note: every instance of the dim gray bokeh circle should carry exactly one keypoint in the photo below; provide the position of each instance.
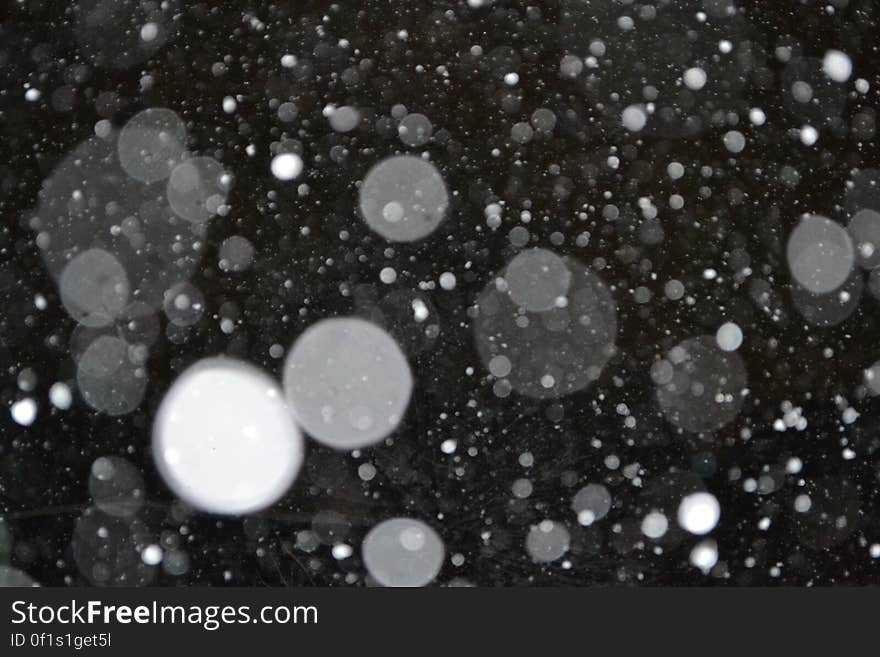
(107, 549)
(236, 254)
(94, 288)
(403, 198)
(863, 191)
(699, 386)
(612, 53)
(820, 254)
(552, 353)
(348, 382)
(197, 188)
(151, 144)
(116, 486)
(591, 503)
(830, 309)
(537, 279)
(415, 130)
(547, 541)
(120, 34)
(108, 379)
(90, 202)
(864, 227)
(809, 94)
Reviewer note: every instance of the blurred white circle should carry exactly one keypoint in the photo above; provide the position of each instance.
(820, 254)
(224, 439)
(698, 513)
(287, 166)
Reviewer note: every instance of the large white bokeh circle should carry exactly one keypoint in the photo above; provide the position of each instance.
(224, 439)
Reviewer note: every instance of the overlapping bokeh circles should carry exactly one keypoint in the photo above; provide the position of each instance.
(700, 387)
(559, 347)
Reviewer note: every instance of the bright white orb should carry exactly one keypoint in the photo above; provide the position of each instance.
(287, 166)
(837, 65)
(704, 555)
(224, 439)
(698, 513)
(24, 412)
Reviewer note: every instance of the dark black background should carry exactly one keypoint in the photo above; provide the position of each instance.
(743, 205)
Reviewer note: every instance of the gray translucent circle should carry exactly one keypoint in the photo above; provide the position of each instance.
(830, 309)
(415, 130)
(90, 202)
(345, 119)
(834, 510)
(236, 254)
(552, 353)
(151, 144)
(499, 366)
(403, 552)
(197, 188)
(103, 356)
(14, 578)
(94, 288)
(107, 549)
(863, 191)
(348, 382)
(872, 379)
(653, 45)
(547, 541)
(288, 112)
(865, 230)
(521, 133)
(108, 380)
(224, 439)
(705, 391)
(537, 279)
(591, 503)
(820, 254)
(543, 120)
(121, 34)
(403, 198)
(184, 304)
(734, 141)
(809, 94)
(116, 486)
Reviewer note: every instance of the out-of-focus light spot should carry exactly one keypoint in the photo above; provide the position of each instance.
(698, 513)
